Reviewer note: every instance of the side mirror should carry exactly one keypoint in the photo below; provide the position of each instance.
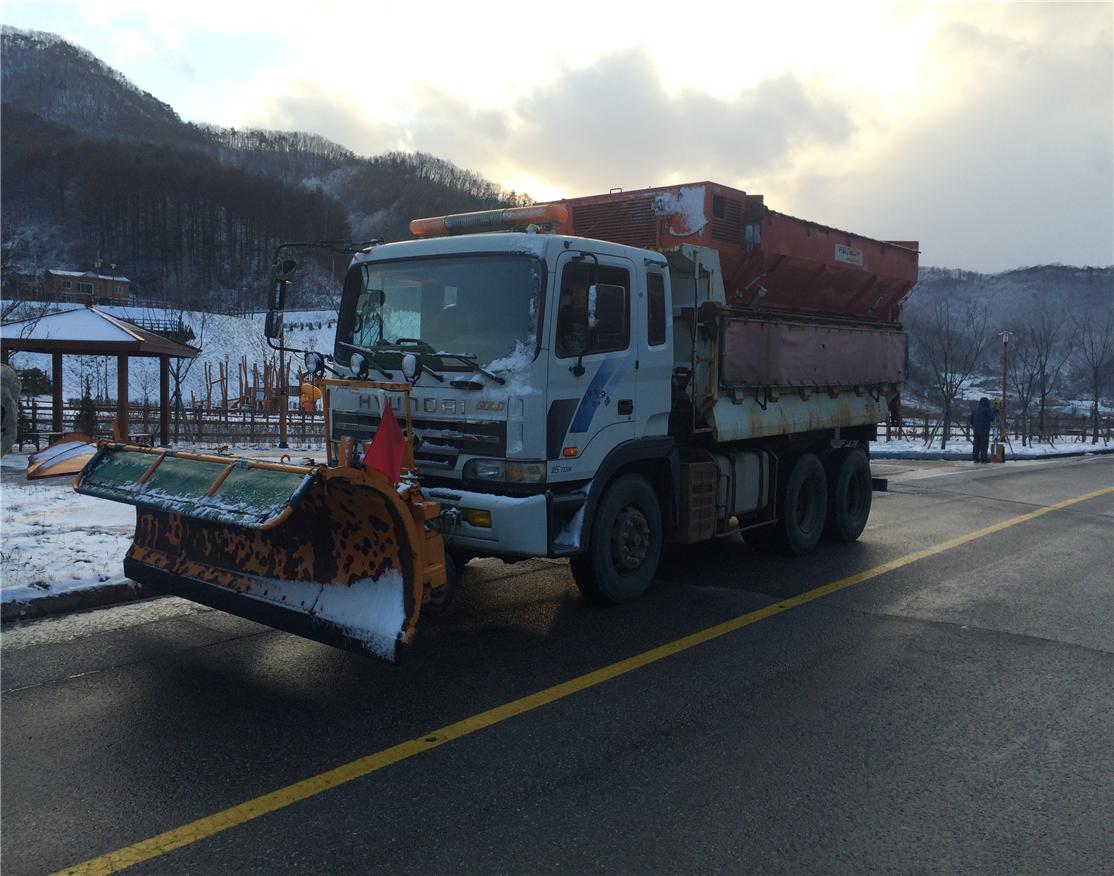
(284, 270)
(273, 327)
(282, 273)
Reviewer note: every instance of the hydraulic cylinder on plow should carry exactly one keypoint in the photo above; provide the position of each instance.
(336, 553)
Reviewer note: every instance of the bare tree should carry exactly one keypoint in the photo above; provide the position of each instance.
(951, 343)
(148, 380)
(180, 368)
(1022, 369)
(1050, 347)
(1095, 356)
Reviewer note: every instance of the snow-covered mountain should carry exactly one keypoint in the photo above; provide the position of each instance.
(95, 167)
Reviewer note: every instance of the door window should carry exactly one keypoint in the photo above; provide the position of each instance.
(655, 309)
(593, 309)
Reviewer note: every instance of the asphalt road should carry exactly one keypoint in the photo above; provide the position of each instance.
(948, 712)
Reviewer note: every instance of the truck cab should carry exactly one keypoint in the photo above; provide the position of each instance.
(545, 359)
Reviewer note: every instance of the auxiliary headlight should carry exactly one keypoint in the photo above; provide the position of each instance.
(507, 471)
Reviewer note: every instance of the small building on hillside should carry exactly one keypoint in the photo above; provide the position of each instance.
(86, 287)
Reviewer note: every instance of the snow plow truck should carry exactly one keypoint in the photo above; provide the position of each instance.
(592, 378)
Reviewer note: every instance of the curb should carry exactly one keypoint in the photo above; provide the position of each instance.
(109, 593)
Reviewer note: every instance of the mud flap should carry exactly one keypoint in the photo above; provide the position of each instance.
(333, 554)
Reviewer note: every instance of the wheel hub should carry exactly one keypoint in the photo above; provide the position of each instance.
(630, 539)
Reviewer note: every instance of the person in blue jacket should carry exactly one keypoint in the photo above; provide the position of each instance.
(981, 419)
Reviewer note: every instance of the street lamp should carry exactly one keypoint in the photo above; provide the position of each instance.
(1000, 450)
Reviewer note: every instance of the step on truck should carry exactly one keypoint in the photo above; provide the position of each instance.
(594, 378)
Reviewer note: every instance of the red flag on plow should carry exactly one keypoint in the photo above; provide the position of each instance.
(387, 448)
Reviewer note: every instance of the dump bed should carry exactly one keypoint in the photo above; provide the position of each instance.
(770, 261)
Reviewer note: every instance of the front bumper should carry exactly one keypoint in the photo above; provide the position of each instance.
(521, 526)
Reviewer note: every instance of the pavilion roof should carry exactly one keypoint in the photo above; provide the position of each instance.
(88, 331)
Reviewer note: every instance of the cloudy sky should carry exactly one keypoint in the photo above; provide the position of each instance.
(983, 130)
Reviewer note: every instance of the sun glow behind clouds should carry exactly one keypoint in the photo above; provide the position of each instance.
(841, 112)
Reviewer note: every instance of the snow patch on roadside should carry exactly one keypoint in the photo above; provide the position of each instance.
(55, 541)
(959, 448)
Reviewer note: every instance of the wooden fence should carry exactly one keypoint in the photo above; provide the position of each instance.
(195, 426)
(1061, 428)
(204, 427)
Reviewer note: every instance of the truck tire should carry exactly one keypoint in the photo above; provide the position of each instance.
(803, 509)
(625, 544)
(849, 496)
(460, 558)
(9, 408)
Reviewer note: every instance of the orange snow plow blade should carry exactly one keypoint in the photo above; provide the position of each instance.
(338, 554)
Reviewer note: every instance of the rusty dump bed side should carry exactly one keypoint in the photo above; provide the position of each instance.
(770, 261)
(333, 554)
(783, 353)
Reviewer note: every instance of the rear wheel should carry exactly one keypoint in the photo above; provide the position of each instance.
(849, 496)
(625, 544)
(803, 500)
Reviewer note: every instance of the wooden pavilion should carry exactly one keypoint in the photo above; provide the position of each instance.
(89, 331)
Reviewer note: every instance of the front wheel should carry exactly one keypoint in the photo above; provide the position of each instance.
(441, 600)
(625, 544)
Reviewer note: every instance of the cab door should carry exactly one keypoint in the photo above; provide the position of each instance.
(592, 372)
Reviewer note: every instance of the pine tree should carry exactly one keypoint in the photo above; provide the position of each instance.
(86, 419)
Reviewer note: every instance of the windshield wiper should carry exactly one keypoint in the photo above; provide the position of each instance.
(470, 360)
(372, 353)
(417, 347)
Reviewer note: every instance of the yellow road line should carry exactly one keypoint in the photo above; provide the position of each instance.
(283, 797)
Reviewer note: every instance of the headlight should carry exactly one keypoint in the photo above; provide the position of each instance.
(506, 471)
(358, 365)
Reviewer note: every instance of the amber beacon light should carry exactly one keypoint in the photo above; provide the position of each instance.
(489, 220)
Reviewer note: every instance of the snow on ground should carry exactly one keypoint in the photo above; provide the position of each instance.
(959, 448)
(52, 540)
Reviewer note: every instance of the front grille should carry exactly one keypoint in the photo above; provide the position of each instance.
(439, 442)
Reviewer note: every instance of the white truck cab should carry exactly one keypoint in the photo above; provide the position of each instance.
(575, 346)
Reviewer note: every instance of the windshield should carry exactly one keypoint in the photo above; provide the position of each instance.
(478, 305)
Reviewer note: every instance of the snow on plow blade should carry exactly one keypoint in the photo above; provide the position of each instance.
(333, 554)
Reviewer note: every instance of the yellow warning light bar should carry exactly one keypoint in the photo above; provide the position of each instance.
(489, 220)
